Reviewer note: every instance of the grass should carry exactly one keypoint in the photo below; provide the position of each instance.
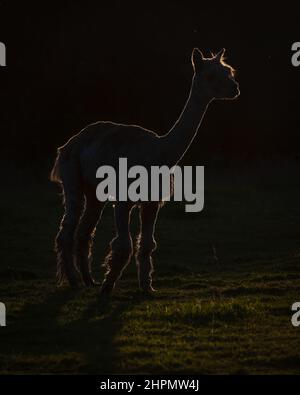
(226, 280)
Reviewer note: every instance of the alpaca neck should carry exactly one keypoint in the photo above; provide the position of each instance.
(177, 141)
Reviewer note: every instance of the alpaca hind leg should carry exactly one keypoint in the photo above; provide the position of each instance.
(120, 248)
(146, 244)
(64, 242)
(84, 237)
(64, 246)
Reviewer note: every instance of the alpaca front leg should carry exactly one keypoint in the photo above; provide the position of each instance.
(120, 248)
(146, 244)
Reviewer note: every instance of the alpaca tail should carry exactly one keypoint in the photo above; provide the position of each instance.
(55, 172)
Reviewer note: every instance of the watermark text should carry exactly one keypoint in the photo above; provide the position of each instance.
(156, 183)
(2, 54)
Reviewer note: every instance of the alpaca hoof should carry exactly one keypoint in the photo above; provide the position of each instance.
(106, 288)
(75, 282)
(91, 283)
(94, 284)
(149, 290)
(75, 285)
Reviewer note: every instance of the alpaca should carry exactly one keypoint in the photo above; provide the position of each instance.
(103, 143)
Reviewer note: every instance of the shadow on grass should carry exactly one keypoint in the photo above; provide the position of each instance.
(63, 334)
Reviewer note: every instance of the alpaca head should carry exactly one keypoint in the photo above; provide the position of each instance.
(215, 76)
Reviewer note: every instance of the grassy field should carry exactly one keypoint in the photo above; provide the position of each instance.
(226, 280)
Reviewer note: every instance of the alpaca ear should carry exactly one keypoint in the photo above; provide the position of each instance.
(220, 54)
(197, 59)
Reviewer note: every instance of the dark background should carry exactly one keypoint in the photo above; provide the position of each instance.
(73, 63)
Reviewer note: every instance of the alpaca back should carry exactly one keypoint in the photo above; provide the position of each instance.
(70, 152)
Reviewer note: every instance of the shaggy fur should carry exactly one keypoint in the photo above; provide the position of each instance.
(103, 143)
